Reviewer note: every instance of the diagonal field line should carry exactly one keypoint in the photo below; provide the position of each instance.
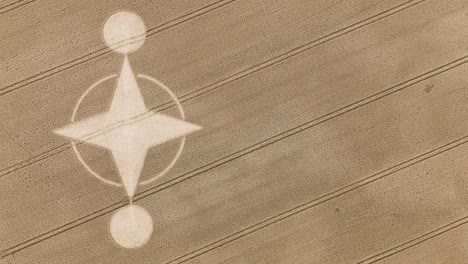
(103, 51)
(14, 5)
(337, 193)
(218, 84)
(416, 241)
(236, 155)
(10, 4)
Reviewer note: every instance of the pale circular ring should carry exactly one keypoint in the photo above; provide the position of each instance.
(182, 115)
(75, 149)
(97, 175)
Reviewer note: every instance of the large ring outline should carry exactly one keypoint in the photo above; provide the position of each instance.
(160, 174)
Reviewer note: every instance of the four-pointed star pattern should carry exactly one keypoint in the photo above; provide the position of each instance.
(128, 129)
